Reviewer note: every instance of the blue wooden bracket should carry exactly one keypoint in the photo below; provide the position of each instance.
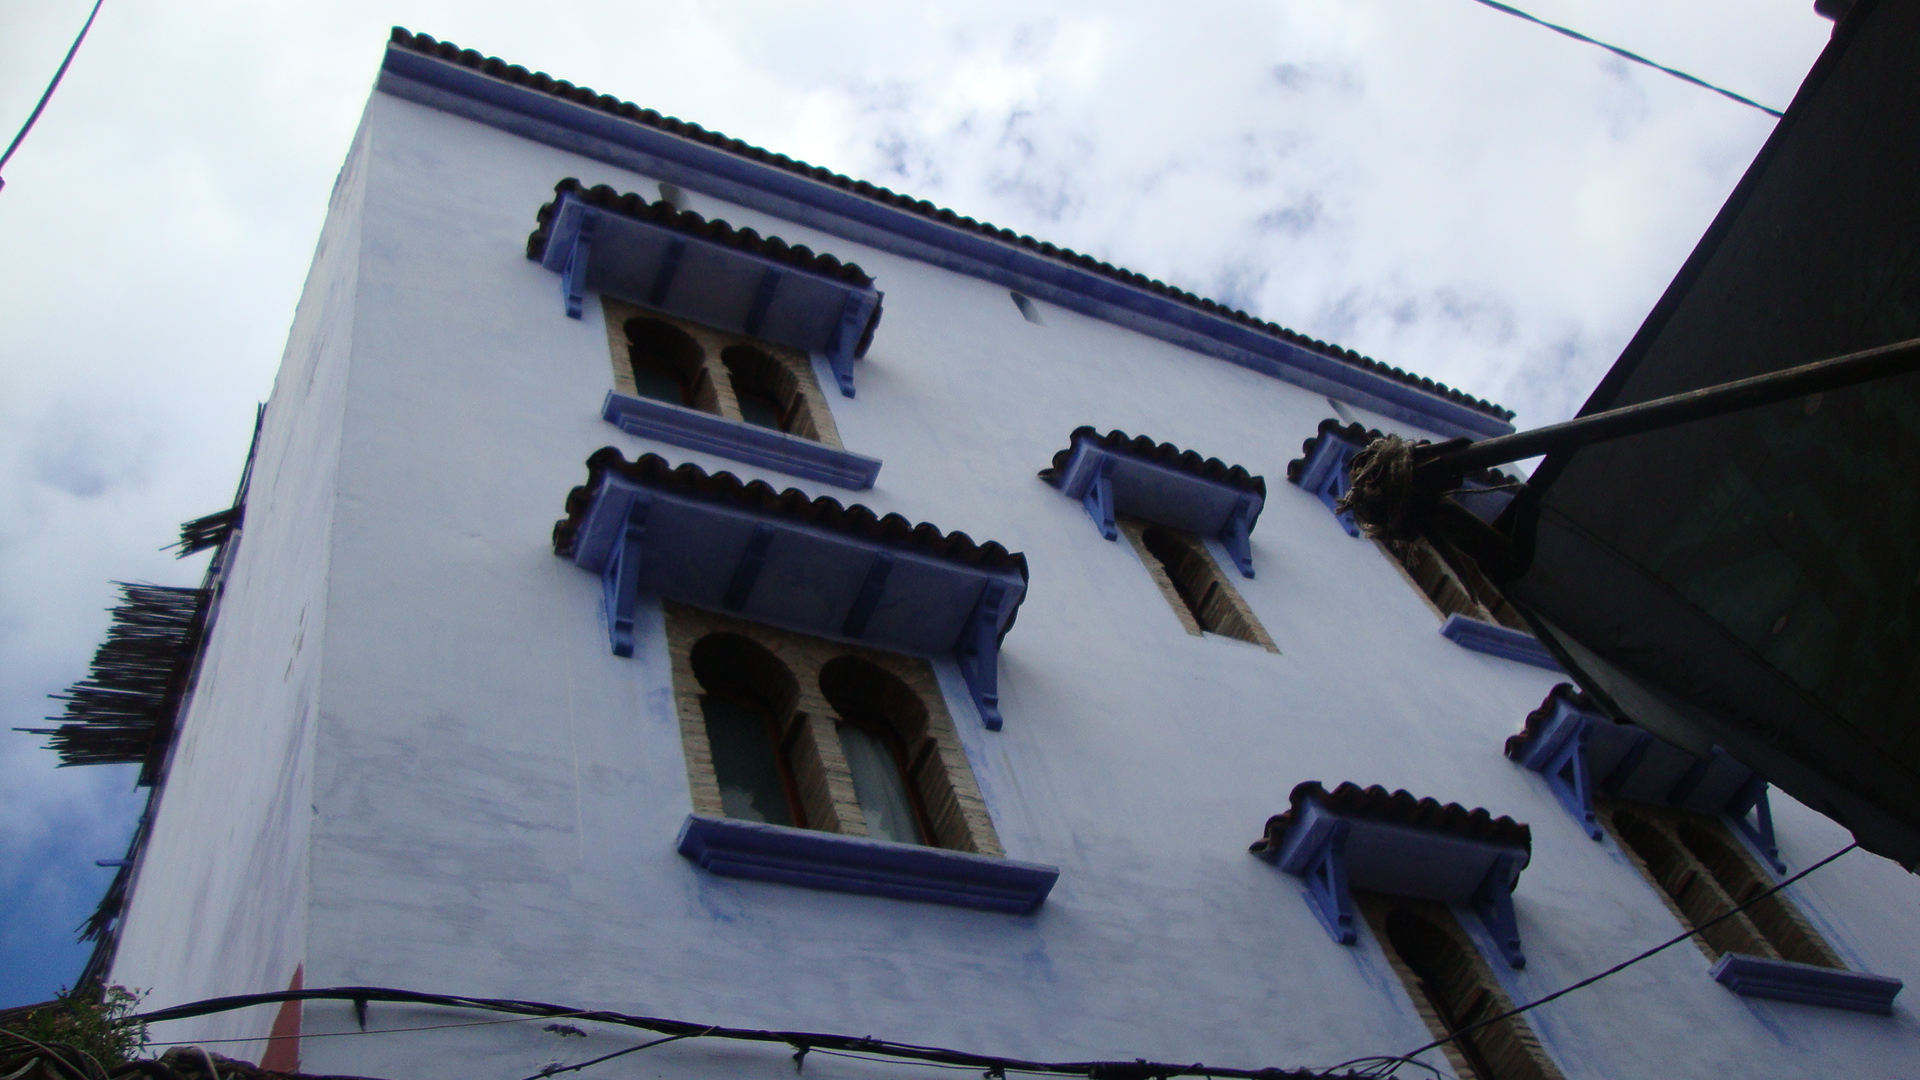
(1325, 874)
(669, 269)
(1099, 499)
(1753, 799)
(1493, 903)
(1234, 535)
(978, 653)
(573, 279)
(620, 579)
(1325, 476)
(846, 338)
(1568, 775)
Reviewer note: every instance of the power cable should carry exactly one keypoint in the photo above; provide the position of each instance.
(1625, 964)
(801, 1041)
(1624, 54)
(48, 95)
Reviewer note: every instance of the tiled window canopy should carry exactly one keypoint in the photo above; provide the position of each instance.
(810, 565)
(1394, 843)
(1115, 474)
(707, 272)
(1581, 751)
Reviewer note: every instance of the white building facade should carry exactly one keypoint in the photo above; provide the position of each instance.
(743, 757)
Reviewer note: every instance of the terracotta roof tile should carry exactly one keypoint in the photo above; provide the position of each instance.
(1141, 446)
(823, 512)
(1378, 804)
(547, 84)
(1517, 743)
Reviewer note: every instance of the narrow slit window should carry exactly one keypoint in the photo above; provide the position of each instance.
(1453, 989)
(1700, 868)
(1454, 583)
(1194, 584)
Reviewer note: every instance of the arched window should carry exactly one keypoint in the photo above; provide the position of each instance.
(1460, 991)
(768, 394)
(882, 726)
(749, 695)
(666, 362)
(1191, 577)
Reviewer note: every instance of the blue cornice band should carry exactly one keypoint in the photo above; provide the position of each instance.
(652, 152)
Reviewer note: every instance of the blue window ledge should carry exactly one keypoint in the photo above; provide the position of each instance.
(1393, 843)
(708, 273)
(780, 558)
(1580, 751)
(739, 440)
(1783, 980)
(1117, 474)
(855, 864)
(1496, 640)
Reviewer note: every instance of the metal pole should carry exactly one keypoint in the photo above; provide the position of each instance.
(1774, 387)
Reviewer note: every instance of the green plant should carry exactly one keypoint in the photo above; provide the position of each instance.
(97, 1024)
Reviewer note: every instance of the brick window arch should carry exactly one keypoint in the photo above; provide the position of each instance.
(768, 393)
(1453, 989)
(667, 364)
(746, 707)
(833, 717)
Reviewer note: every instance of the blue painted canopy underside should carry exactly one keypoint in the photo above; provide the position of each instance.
(792, 574)
(707, 283)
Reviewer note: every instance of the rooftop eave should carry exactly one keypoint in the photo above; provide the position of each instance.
(591, 132)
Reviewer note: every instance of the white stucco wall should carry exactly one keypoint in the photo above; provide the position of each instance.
(495, 796)
(220, 894)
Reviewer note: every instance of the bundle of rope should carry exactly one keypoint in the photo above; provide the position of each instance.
(1380, 489)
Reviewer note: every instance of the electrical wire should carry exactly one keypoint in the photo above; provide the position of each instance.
(59, 74)
(1629, 962)
(556, 1070)
(370, 1031)
(803, 1042)
(1624, 54)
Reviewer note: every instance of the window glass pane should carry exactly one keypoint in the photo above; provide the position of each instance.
(745, 762)
(878, 785)
(652, 382)
(757, 407)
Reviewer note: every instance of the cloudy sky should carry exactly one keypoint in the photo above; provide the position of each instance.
(1427, 181)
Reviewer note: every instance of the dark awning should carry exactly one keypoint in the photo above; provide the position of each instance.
(1753, 581)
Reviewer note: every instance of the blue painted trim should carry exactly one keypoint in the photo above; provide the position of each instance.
(1325, 872)
(978, 652)
(1494, 640)
(1325, 477)
(1492, 903)
(820, 860)
(1333, 853)
(739, 440)
(618, 579)
(1558, 753)
(1783, 980)
(652, 152)
(1110, 482)
(1753, 800)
